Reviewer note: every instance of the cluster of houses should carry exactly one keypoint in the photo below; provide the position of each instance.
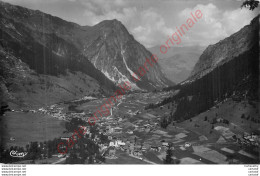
(132, 145)
(57, 112)
(119, 130)
(121, 136)
(53, 111)
(132, 148)
(249, 139)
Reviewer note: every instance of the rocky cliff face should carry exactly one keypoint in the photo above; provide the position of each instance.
(226, 50)
(107, 45)
(118, 55)
(103, 55)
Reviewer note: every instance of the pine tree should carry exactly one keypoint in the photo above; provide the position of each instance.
(164, 123)
(252, 4)
(169, 154)
(90, 160)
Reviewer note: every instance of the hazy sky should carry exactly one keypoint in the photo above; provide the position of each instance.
(151, 21)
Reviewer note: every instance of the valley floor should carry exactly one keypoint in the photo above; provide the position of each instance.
(137, 137)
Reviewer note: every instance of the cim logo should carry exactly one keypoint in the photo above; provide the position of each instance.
(18, 154)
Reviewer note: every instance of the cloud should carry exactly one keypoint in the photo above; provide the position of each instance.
(215, 24)
(102, 6)
(147, 25)
(150, 27)
(31, 1)
(152, 22)
(234, 20)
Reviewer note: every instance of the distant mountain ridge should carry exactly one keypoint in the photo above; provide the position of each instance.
(178, 62)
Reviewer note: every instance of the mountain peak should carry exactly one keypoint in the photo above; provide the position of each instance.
(110, 22)
(108, 45)
(111, 25)
(118, 55)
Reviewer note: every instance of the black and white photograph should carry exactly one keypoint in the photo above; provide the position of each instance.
(129, 82)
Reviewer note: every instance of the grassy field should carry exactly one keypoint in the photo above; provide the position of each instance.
(152, 157)
(29, 127)
(229, 110)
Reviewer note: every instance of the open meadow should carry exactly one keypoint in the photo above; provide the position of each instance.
(29, 127)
